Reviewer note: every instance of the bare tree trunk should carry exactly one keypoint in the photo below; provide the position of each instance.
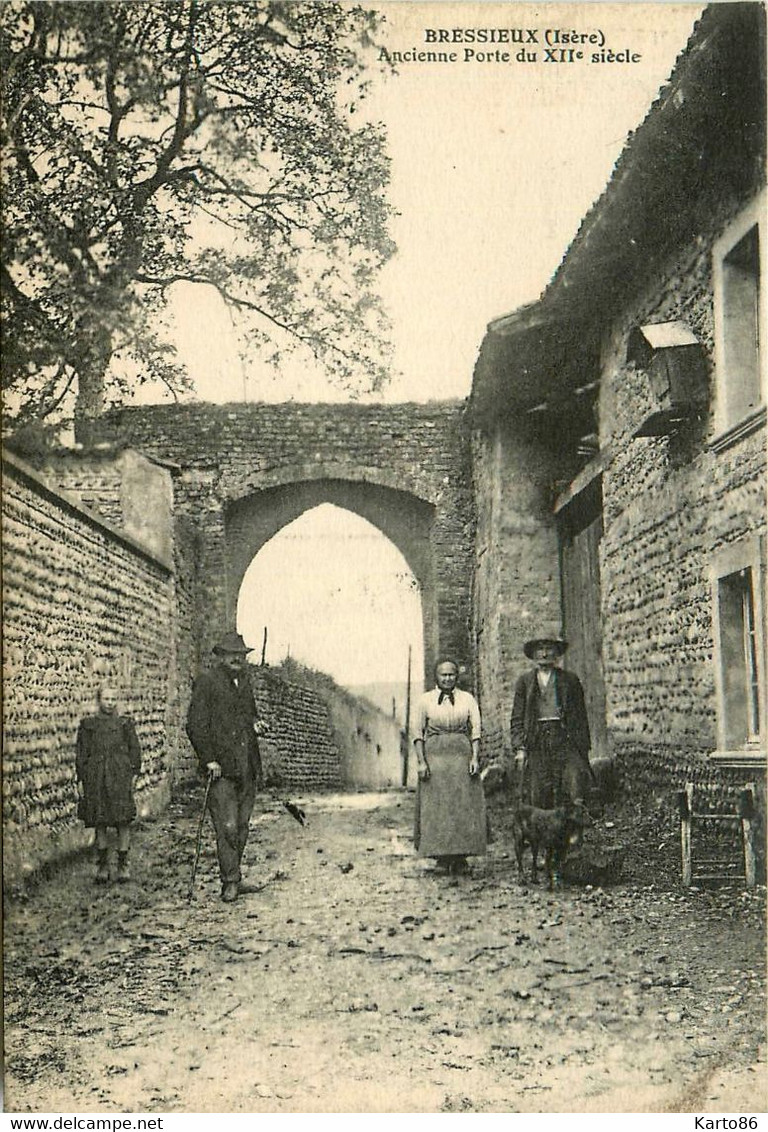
(91, 372)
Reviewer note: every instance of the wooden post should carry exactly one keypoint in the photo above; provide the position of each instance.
(407, 743)
(685, 802)
(746, 812)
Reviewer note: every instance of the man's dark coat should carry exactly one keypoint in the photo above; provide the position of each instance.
(220, 724)
(573, 712)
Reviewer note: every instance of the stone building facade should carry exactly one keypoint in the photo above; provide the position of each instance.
(633, 395)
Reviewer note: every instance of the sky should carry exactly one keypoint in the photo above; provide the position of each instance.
(351, 608)
(493, 167)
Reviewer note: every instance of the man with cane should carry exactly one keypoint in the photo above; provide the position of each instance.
(222, 726)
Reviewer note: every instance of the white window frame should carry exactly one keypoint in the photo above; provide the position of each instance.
(746, 553)
(752, 216)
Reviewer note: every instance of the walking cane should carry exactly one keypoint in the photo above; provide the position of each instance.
(199, 836)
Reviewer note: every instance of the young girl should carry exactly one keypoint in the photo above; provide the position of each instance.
(107, 761)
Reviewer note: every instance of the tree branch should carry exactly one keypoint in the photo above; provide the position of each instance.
(310, 340)
(181, 130)
(116, 112)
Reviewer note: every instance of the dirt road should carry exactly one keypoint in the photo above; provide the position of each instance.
(358, 981)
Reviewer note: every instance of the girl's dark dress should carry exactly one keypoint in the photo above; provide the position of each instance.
(108, 755)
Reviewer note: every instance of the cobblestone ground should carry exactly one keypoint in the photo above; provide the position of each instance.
(357, 980)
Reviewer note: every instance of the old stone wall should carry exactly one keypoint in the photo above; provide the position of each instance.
(186, 632)
(298, 747)
(93, 479)
(243, 471)
(317, 736)
(83, 604)
(369, 740)
(651, 774)
(120, 484)
(370, 743)
(670, 503)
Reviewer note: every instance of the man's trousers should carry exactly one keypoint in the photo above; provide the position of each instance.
(231, 804)
(556, 773)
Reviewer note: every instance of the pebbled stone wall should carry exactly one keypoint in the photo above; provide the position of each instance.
(369, 742)
(188, 597)
(317, 736)
(670, 503)
(83, 604)
(652, 773)
(298, 747)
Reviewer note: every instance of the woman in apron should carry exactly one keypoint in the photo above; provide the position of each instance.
(450, 804)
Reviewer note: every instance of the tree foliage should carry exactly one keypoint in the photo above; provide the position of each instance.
(152, 143)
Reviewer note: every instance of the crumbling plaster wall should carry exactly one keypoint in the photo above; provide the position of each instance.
(517, 580)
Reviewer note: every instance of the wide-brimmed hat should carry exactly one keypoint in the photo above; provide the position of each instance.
(550, 635)
(231, 643)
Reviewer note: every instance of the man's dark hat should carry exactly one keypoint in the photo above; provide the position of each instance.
(550, 635)
(231, 643)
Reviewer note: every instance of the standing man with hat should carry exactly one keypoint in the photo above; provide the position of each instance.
(549, 727)
(222, 726)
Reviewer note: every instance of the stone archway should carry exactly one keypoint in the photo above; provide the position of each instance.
(404, 519)
(240, 472)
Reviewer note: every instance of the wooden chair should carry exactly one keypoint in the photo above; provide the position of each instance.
(696, 868)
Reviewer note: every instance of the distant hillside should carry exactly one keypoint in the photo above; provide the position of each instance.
(383, 693)
(379, 694)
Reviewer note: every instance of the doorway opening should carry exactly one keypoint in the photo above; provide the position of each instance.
(336, 595)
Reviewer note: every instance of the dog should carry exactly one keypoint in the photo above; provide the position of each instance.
(555, 831)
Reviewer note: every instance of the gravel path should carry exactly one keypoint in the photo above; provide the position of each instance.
(357, 980)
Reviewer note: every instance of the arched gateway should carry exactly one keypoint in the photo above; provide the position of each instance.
(242, 472)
